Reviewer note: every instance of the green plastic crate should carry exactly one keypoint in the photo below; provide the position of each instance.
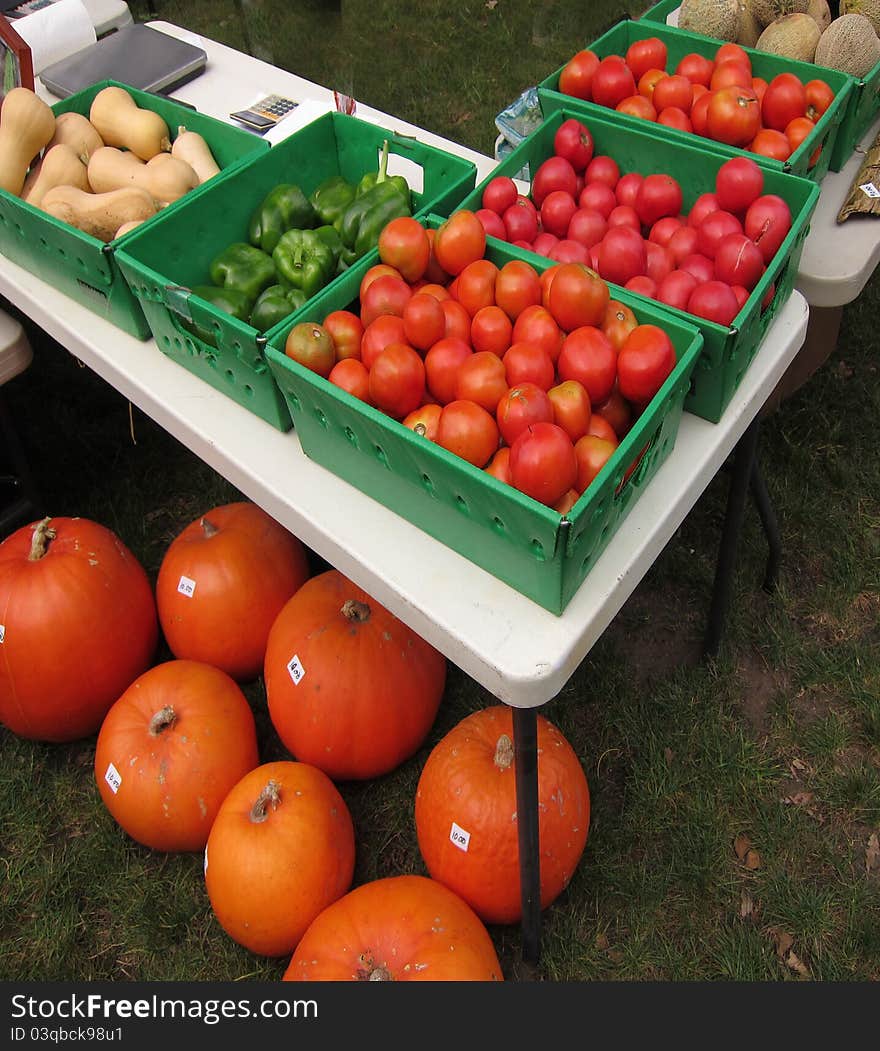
(535, 550)
(162, 264)
(678, 44)
(80, 265)
(861, 110)
(727, 351)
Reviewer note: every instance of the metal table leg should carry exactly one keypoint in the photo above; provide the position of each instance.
(771, 527)
(525, 740)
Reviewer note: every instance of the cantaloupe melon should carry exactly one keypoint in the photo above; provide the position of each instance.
(821, 12)
(792, 36)
(767, 11)
(850, 45)
(749, 27)
(869, 8)
(714, 18)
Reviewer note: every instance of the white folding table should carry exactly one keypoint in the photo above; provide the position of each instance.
(515, 649)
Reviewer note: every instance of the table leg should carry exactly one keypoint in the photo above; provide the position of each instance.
(525, 740)
(743, 469)
(771, 527)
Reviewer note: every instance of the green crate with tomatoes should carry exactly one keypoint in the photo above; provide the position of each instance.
(728, 348)
(861, 109)
(542, 553)
(810, 158)
(200, 277)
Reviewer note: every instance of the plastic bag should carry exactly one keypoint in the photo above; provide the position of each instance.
(521, 117)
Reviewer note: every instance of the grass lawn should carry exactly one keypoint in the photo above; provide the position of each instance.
(736, 802)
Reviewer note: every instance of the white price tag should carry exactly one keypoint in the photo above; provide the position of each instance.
(459, 837)
(296, 670)
(186, 586)
(869, 189)
(2, 634)
(113, 778)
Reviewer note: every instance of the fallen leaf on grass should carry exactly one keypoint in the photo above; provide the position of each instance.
(798, 766)
(872, 854)
(784, 942)
(746, 905)
(742, 844)
(797, 965)
(615, 955)
(668, 755)
(491, 4)
(799, 798)
(752, 860)
(601, 941)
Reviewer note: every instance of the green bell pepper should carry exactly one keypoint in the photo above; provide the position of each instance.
(330, 236)
(230, 300)
(372, 179)
(285, 207)
(367, 217)
(274, 304)
(303, 260)
(331, 198)
(243, 267)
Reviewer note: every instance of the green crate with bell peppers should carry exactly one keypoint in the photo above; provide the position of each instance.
(260, 244)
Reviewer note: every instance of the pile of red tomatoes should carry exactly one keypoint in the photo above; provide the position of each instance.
(718, 98)
(533, 377)
(632, 229)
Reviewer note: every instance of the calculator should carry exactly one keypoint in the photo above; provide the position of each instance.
(265, 114)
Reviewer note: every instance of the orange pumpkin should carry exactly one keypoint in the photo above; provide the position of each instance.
(77, 626)
(350, 688)
(466, 813)
(404, 929)
(170, 749)
(280, 850)
(221, 584)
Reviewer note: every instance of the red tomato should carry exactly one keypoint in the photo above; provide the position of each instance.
(663, 229)
(697, 68)
(738, 261)
(571, 407)
(771, 143)
(351, 375)
(521, 221)
(491, 329)
(567, 501)
(612, 81)
(733, 116)
(819, 98)
(675, 289)
(499, 194)
(587, 226)
(385, 295)
(499, 465)
(435, 272)
(730, 74)
(658, 196)
(637, 106)
(673, 117)
(544, 243)
(482, 379)
(588, 357)
(699, 113)
(569, 251)
(644, 285)
(346, 330)
(517, 286)
(598, 197)
(600, 427)
(557, 209)
(622, 255)
(602, 168)
(388, 328)
(404, 244)
(492, 222)
(578, 296)
(543, 464)
(459, 240)
(424, 420)
(797, 130)
(658, 261)
(673, 90)
(519, 407)
(618, 322)
(617, 412)
(645, 360)
(704, 205)
(397, 380)
(468, 431)
(642, 55)
(624, 215)
(737, 183)
(627, 189)
(573, 141)
(701, 266)
(732, 51)
(442, 363)
(423, 321)
(537, 325)
(528, 363)
(715, 226)
(576, 76)
(555, 173)
(784, 99)
(378, 270)
(648, 81)
(476, 285)
(714, 301)
(458, 320)
(767, 222)
(681, 244)
(591, 455)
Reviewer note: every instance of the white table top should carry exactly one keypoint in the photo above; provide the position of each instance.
(515, 649)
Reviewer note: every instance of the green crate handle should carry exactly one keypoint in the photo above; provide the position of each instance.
(176, 298)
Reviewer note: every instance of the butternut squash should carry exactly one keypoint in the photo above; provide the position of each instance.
(26, 126)
(78, 132)
(127, 227)
(191, 147)
(99, 214)
(121, 122)
(61, 165)
(164, 177)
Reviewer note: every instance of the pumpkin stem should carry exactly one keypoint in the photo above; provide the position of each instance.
(270, 796)
(354, 610)
(164, 718)
(369, 972)
(208, 527)
(504, 752)
(40, 540)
